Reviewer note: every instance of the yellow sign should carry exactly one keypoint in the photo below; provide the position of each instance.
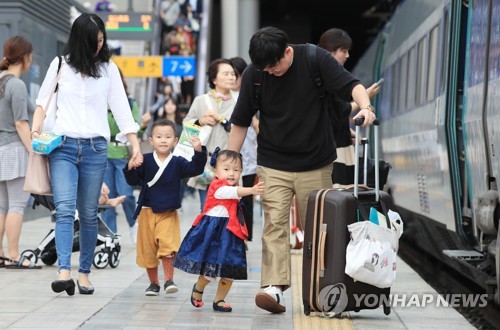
(142, 66)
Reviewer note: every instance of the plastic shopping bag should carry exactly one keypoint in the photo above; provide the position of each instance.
(371, 254)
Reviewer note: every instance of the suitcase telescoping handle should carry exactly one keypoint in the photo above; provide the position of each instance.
(358, 122)
(364, 142)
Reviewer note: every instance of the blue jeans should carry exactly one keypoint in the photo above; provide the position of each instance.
(203, 196)
(77, 170)
(118, 186)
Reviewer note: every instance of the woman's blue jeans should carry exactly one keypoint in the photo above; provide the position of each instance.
(118, 186)
(77, 171)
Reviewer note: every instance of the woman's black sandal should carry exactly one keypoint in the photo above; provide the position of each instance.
(195, 302)
(225, 308)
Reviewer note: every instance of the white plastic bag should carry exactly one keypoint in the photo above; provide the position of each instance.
(372, 252)
(396, 222)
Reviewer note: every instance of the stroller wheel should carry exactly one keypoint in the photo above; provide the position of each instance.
(114, 260)
(49, 257)
(30, 255)
(101, 259)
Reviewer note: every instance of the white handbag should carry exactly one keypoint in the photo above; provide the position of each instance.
(372, 251)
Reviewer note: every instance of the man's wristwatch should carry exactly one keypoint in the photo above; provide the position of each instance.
(369, 107)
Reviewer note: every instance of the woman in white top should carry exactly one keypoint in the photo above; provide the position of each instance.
(88, 84)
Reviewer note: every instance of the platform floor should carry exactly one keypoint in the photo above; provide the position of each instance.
(27, 301)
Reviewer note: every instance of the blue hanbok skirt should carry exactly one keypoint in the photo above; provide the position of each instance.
(210, 249)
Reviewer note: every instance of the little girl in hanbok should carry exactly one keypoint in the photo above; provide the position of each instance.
(215, 244)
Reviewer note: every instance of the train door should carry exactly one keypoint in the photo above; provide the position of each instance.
(492, 92)
(479, 134)
(492, 241)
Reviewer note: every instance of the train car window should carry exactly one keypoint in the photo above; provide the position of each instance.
(444, 54)
(432, 73)
(394, 87)
(421, 69)
(403, 83)
(412, 77)
(385, 107)
(383, 99)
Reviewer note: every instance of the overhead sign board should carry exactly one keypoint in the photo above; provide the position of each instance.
(178, 66)
(140, 66)
(156, 66)
(128, 25)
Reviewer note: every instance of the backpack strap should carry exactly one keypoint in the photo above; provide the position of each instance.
(312, 60)
(258, 78)
(58, 69)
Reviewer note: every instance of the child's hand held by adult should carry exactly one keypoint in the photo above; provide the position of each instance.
(135, 161)
(259, 188)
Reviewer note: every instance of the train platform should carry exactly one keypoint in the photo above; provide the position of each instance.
(27, 301)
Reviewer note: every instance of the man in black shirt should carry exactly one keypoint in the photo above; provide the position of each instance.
(337, 42)
(296, 148)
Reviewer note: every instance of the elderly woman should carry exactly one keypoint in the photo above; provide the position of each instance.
(213, 109)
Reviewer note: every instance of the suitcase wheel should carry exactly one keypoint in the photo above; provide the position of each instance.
(387, 310)
(307, 310)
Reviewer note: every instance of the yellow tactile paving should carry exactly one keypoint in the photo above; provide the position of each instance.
(300, 320)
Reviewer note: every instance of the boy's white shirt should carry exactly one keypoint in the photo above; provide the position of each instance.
(161, 167)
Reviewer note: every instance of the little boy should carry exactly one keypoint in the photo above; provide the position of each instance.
(159, 176)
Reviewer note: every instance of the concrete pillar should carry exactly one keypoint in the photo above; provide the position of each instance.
(240, 19)
(230, 27)
(248, 23)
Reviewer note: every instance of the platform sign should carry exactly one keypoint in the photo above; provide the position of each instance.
(179, 66)
(129, 25)
(140, 66)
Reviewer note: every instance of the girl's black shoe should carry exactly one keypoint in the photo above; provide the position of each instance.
(195, 302)
(224, 308)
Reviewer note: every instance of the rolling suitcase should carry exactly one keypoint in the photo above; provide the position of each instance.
(325, 286)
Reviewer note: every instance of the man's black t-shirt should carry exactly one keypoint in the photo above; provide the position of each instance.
(295, 131)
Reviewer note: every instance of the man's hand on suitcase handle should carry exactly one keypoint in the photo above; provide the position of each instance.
(368, 114)
(361, 121)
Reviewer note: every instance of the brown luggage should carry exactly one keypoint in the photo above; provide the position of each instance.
(325, 286)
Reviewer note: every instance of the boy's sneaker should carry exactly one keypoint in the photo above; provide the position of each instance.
(170, 287)
(271, 299)
(153, 290)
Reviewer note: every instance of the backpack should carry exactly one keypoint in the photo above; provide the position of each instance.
(312, 61)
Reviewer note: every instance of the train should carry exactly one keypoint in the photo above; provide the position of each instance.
(440, 60)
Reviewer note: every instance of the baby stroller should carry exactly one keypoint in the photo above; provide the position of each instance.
(46, 250)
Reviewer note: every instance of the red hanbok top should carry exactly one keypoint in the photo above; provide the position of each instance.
(236, 223)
